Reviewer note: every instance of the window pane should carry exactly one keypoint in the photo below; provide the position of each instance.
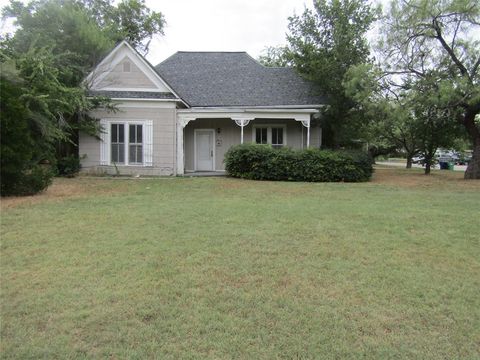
(139, 134)
(135, 154)
(261, 135)
(114, 132)
(117, 141)
(277, 136)
(114, 153)
(131, 154)
(121, 133)
(131, 135)
(118, 153)
(121, 153)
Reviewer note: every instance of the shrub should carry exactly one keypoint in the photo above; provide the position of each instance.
(262, 162)
(28, 182)
(68, 166)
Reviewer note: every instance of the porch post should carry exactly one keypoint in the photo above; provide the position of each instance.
(181, 123)
(308, 135)
(306, 123)
(242, 123)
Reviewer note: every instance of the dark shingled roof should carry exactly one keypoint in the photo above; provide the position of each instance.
(234, 79)
(132, 94)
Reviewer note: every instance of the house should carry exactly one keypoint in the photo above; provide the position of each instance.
(184, 114)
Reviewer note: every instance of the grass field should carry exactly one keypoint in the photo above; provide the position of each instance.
(188, 268)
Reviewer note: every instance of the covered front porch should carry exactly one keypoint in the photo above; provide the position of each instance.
(205, 135)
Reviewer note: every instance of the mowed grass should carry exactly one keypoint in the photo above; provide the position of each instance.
(188, 268)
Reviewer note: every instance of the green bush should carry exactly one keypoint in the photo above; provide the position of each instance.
(262, 162)
(22, 146)
(28, 182)
(68, 166)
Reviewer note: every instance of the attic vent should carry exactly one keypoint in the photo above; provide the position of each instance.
(126, 66)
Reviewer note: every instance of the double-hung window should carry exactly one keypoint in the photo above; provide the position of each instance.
(261, 135)
(126, 143)
(117, 142)
(135, 144)
(277, 137)
(274, 135)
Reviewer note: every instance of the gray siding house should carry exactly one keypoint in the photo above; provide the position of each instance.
(184, 114)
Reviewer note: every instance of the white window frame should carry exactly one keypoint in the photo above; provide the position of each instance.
(125, 140)
(136, 144)
(269, 132)
(106, 149)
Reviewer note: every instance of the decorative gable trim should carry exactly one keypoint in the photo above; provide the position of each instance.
(110, 62)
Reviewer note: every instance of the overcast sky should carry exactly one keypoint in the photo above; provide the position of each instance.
(222, 25)
(218, 25)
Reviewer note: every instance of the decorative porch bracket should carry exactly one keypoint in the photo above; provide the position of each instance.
(181, 123)
(242, 122)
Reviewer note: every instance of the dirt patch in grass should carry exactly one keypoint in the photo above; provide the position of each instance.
(62, 189)
(416, 178)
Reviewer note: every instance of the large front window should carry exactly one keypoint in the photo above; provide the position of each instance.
(119, 132)
(273, 135)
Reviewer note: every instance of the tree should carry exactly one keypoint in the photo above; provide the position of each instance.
(434, 40)
(392, 123)
(432, 116)
(274, 56)
(77, 34)
(414, 118)
(26, 137)
(323, 44)
(35, 108)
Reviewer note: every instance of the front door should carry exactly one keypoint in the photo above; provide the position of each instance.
(204, 150)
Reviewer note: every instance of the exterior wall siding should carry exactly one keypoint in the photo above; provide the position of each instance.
(119, 79)
(230, 135)
(163, 116)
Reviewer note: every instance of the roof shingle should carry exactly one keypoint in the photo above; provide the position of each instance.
(214, 79)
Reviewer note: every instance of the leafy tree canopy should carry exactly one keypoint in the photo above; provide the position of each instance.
(436, 42)
(274, 56)
(323, 44)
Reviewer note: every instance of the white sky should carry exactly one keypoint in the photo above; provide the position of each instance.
(218, 25)
(222, 25)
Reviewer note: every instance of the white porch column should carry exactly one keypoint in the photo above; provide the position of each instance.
(306, 123)
(181, 123)
(242, 122)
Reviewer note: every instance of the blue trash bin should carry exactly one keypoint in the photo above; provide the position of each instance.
(443, 165)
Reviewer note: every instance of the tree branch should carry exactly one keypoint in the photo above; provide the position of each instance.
(449, 50)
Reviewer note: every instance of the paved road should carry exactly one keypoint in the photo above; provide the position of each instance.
(400, 164)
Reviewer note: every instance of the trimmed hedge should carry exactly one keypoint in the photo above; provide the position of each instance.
(263, 162)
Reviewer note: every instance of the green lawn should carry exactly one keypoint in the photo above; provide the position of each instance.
(224, 268)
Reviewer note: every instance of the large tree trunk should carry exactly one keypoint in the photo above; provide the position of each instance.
(409, 162)
(473, 168)
(428, 166)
